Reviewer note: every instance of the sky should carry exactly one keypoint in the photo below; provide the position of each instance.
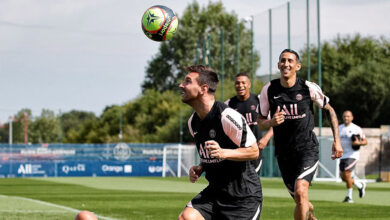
(85, 55)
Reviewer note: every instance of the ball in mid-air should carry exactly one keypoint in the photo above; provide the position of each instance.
(159, 23)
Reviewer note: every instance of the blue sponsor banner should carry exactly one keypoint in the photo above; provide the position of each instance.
(28, 169)
(81, 168)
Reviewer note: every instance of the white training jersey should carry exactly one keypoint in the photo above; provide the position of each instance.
(346, 142)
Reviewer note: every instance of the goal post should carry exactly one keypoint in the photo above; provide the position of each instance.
(178, 159)
(328, 169)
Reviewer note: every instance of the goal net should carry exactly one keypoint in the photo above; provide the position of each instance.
(178, 159)
(328, 169)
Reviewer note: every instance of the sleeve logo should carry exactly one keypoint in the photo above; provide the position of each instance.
(234, 122)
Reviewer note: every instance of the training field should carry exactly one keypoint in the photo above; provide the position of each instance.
(158, 198)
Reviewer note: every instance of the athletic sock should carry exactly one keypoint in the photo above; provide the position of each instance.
(358, 184)
(349, 192)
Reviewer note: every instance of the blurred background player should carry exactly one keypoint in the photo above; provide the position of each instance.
(352, 137)
(290, 100)
(85, 215)
(225, 145)
(247, 104)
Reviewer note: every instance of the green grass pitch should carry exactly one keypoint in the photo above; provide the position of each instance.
(164, 198)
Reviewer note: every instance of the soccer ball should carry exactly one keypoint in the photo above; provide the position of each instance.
(159, 23)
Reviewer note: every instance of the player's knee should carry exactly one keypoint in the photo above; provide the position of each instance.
(188, 214)
(300, 195)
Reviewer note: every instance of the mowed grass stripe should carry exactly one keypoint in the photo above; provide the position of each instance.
(272, 187)
(135, 204)
(37, 206)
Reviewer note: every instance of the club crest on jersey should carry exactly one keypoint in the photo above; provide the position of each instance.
(299, 97)
(253, 107)
(212, 133)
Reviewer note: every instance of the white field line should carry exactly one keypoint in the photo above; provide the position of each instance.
(54, 205)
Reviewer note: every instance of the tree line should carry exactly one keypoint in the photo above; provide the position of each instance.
(355, 75)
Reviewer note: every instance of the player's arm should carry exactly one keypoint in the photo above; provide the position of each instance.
(277, 119)
(237, 129)
(262, 143)
(322, 101)
(363, 141)
(195, 173)
(359, 140)
(337, 150)
(238, 154)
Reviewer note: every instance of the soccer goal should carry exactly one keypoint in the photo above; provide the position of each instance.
(178, 159)
(328, 169)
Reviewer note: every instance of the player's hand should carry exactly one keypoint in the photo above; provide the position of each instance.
(261, 144)
(215, 151)
(337, 150)
(278, 117)
(195, 172)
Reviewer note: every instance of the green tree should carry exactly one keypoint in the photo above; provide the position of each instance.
(355, 75)
(165, 69)
(71, 123)
(44, 128)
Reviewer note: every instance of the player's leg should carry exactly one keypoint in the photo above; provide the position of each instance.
(190, 213)
(200, 207)
(301, 198)
(346, 168)
(306, 168)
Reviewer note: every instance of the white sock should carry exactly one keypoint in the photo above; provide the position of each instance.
(349, 192)
(358, 184)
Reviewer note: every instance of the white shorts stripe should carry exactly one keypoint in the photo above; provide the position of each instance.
(307, 172)
(257, 213)
(258, 167)
(351, 165)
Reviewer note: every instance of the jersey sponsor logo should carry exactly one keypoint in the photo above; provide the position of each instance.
(214, 160)
(204, 155)
(248, 117)
(292, 112)
(298, 97)
(253, 107)
(234, 122)
(212, 133)
(203, 152)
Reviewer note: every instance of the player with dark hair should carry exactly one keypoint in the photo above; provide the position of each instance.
(352, 137)
(225, 145)
(247, 104)
(290, 102)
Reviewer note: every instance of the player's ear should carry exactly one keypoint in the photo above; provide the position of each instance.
(299, 65)
(204, 88)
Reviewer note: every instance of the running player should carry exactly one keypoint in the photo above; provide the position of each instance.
(290, 102)
(247, 104)
(225, 145)
(351, 146)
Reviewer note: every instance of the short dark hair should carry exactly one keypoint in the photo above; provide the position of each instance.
(290, 51)
(207, 76)
(242, 74)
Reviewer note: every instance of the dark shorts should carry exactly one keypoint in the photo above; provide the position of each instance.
(212, 207)
(347, 164)
(298, 165)
(258, 163)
